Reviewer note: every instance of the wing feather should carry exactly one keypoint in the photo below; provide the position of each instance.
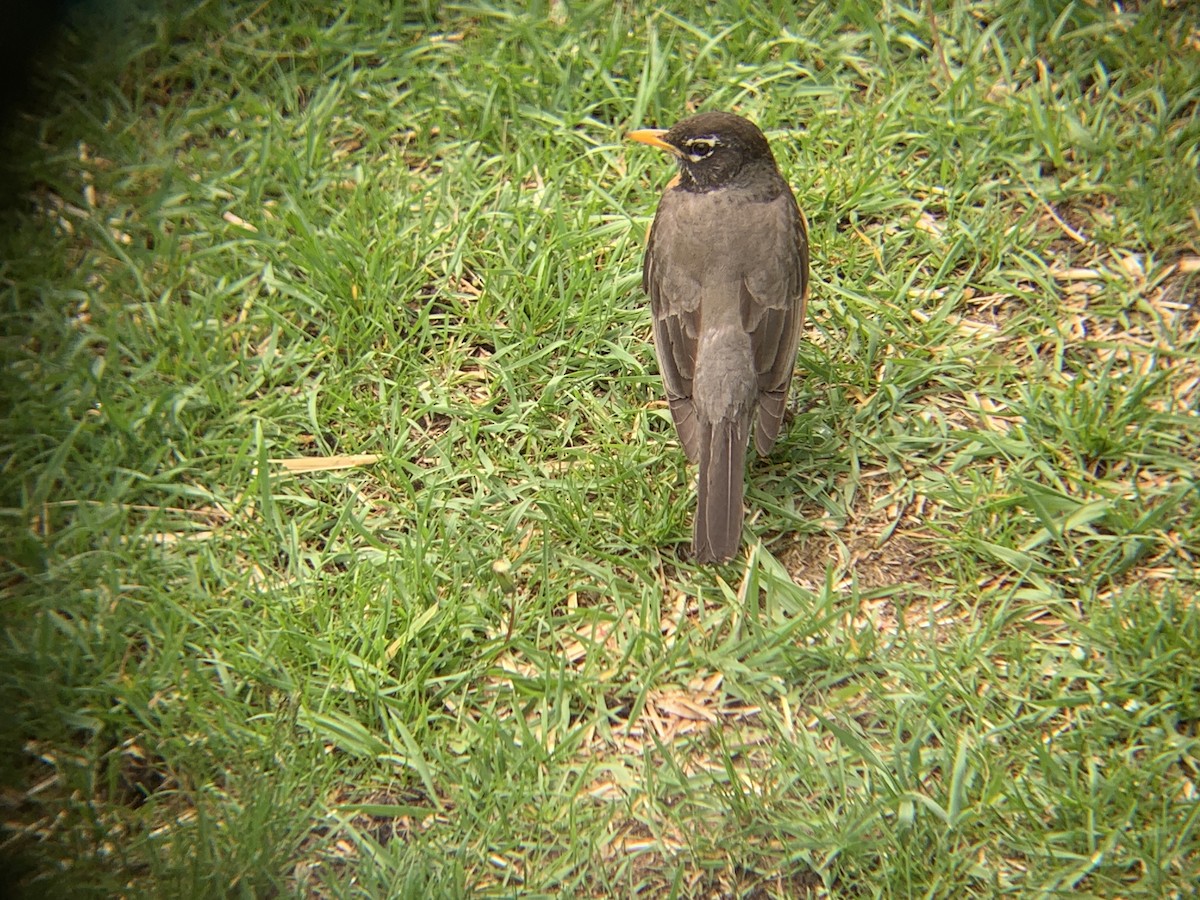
(676, 312)
(774, 299)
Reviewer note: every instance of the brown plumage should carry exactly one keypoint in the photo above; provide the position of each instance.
(726, 271)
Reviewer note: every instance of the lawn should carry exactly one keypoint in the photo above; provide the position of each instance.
(345, 531)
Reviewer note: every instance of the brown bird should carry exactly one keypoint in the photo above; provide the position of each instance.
(726, 271)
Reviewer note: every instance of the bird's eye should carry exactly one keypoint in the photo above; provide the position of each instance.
(699, 148)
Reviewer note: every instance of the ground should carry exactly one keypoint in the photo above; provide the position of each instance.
(345, 530)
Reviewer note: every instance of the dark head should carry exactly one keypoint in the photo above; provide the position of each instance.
(714, 149)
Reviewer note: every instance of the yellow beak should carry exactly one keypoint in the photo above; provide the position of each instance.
(653, 137)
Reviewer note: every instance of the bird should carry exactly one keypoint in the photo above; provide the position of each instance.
(726, 272)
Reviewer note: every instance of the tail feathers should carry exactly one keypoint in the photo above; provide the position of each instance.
(718, 527)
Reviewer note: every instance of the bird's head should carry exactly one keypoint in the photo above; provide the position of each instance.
(713, 148)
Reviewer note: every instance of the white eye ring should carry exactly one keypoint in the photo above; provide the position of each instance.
(701, 147)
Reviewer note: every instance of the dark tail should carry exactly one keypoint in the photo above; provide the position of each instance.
(718, 529)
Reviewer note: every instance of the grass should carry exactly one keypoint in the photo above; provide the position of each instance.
(958, 657)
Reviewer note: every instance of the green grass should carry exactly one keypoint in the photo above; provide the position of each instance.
(959, 657)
